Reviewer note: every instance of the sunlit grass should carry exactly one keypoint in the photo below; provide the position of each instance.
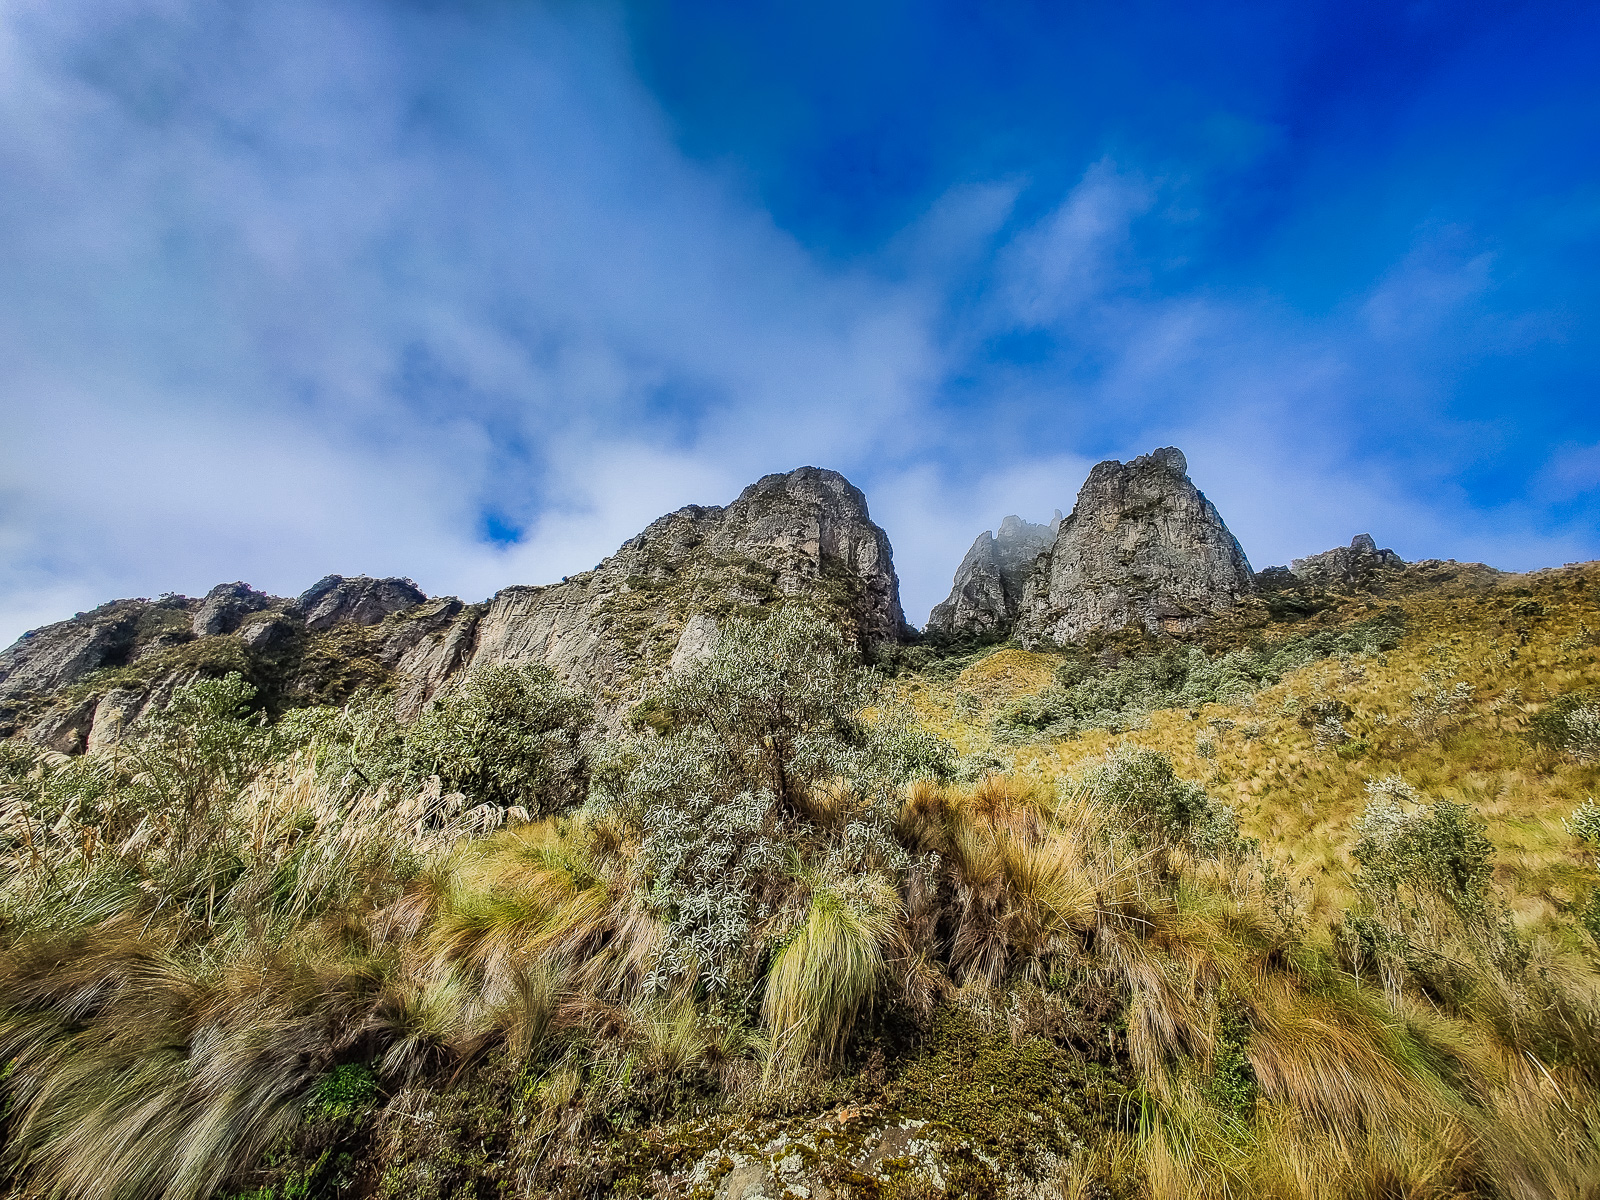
(1301, 800)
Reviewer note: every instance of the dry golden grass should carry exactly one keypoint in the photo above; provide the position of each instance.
(1300, 800)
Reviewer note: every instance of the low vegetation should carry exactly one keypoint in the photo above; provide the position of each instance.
(1130, 923)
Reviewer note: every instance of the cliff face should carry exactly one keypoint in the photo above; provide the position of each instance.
(1143, 547)
(806, 535)
(987, 593)
(657, 600)
(79, 683)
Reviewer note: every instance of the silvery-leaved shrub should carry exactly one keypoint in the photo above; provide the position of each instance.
(1425, 886)
(1583, 732)
(1584, 823)
(770, 753)
(1157, 807)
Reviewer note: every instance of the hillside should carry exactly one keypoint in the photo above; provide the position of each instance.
(1128, 880)
(1454, 709)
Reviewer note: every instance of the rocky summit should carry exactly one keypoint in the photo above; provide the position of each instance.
(987, 592)
(1360, 566)
(655, 603)
(802, 535)
(1142, 548)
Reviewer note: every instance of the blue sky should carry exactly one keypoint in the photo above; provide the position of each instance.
(471, 292)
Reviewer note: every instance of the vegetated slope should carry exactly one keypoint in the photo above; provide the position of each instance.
(1457, 680)
(793, 943)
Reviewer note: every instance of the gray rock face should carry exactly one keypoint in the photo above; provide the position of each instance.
(695, 643)
(423, 666)
(65, 728)
(806, 534)
(1360, 566)
(114, 715)
(334, 600)
(1144, 548)
(226, 606)
(54, 656)
(987, 593)
(658, 600)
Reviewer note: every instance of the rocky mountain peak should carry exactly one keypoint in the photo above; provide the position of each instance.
(1142, 547)
(804, 534)
(987, 592)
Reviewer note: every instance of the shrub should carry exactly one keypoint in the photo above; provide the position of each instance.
(1090, 694)
(1554, 727)
(1583, 732)
(508, 735)
(1158, 807)
(1425, 883)
(772, 749)
(1584, 823)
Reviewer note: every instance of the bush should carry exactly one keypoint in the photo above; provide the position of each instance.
(508, 735)
(1425, 882)
(1583, 732)
(771, 754)
(1584, 823)
(1554, 726)
(1089, 694)
(1159, 808)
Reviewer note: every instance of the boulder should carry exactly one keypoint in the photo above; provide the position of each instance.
(1143, 548)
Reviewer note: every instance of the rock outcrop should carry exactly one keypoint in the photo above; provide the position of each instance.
(334, 600)
(802, 535)
(987, 593)
(226, 606)
(1143, 548)
(656, 602)
(1360, 566)
(55, 656)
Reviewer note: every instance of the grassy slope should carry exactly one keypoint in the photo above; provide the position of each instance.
(1301, 800)
(1037, 982)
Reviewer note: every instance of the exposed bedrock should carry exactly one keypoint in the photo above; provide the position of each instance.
(656, 602)
(1360, 566)
(987, 593)
(1142, 548)
(802, 535)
